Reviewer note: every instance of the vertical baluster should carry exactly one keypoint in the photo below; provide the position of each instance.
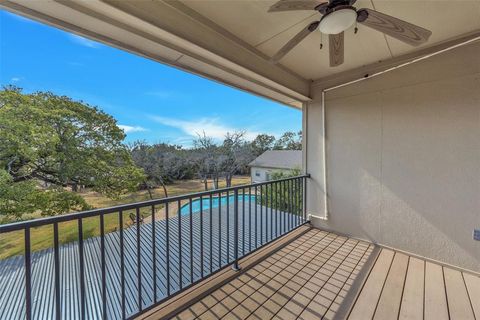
(304, 193)
(228, 227)
(270, 224)
(293, 202)
(28, 275)
(243, 221)
(266, 212)
(300, 210)
(292, 182)
(272, 205)
(269, 212)
(299, 192)
(249, 219)
(256, 217)
(290, 205)
(272, 211)
(82, 268)
(201, 237)
(139, 261)
(122, 265)
(276, 210)
(261, 214)
(104, 272)
(210, 233)
(235, 230)
(167, 243)
(57, 270)
(179, 222)
(219, 230)
(154, 256)
(280, 208)
(285, 206)
(190, 218)
(297, 199)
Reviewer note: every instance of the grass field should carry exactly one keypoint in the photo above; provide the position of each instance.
(12, 243)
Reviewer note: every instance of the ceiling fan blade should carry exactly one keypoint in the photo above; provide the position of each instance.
(336, 49)
(294, 41)
(291, 5)
(394, 27)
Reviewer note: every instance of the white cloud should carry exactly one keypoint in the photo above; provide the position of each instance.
(16, 79)
(84, 41)
(183, 141)
(210, 126)
(130, 129)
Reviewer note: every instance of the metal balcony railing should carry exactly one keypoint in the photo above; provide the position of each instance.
(122, 273)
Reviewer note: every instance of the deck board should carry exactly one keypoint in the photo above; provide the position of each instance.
(389, 303)
(413, 291)
(473, 288)
(458, 301)
(364, 308)
(436, 307)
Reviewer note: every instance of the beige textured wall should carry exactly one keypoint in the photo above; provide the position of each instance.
(403, 158)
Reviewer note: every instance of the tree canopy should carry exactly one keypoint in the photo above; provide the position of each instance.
(50, 143)
(289, 141)
(162, 164)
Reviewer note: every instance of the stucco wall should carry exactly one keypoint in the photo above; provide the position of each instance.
(265, 173)
(403, 158)
(262, 174)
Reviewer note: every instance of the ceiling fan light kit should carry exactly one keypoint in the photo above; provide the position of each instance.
(338, 20)
(338, 16)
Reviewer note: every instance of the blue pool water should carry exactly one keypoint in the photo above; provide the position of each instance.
(185, 209)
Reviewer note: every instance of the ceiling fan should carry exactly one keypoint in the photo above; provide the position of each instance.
(338, 16)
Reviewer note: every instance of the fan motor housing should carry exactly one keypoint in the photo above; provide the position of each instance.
(330, 6)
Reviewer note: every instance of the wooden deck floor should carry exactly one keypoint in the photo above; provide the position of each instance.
(404, 287)
(322, 275)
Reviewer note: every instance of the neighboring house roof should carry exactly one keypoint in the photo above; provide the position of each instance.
(281, 159)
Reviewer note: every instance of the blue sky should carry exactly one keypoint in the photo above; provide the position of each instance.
(151, 101)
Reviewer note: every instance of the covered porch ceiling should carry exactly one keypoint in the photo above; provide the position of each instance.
(231, 41)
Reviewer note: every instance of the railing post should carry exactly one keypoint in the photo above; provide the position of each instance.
(304, 199)
(28, 276)
(235, 265)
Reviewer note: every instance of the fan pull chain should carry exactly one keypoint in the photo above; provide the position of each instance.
(321, 41)
(356, 28)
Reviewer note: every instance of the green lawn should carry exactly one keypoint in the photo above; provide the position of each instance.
(12, 243)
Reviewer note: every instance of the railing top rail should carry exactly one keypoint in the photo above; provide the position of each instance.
(21, 225)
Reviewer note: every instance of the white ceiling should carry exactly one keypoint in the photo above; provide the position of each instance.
(268, 32)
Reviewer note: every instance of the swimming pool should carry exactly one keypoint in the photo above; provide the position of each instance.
(185, 209)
